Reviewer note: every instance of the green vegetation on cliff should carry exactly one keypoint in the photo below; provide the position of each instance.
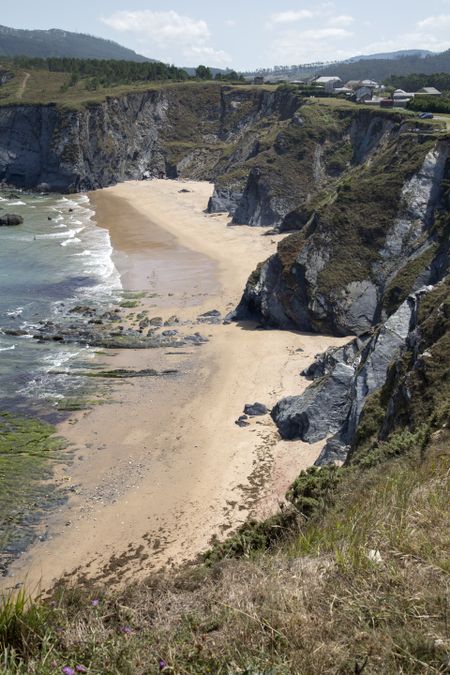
(28, 451)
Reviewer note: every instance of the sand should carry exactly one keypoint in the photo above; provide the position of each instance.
(162, 467)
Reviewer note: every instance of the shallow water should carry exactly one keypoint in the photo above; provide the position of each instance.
(58, 258)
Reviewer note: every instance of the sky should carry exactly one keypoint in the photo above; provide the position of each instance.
(243, 34)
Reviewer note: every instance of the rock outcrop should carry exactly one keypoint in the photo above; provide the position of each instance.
(345, 378)
(380, 235)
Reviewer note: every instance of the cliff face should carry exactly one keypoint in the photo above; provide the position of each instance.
(188, 131)
(365, 192)
(393, 379)
(374, 236)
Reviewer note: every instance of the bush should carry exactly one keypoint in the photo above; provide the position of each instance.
(434, 104)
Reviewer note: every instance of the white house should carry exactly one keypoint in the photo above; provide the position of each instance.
(401, 94)
(355, 84)
(370, 83)
(328, 83)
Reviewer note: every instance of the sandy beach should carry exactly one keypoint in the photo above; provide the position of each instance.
(161, 467)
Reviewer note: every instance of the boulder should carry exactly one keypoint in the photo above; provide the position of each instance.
(155, 321)
(242, 421)
(255, 409)
(320, 410)
(11, 219)
(213, 316)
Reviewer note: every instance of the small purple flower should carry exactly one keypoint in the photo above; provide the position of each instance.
(95, 603)
(126, 629)
(162, 664)
(81, 669)
(67, 670)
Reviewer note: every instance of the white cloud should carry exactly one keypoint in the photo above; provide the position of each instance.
(414, 40)
(308, 46)
(435, 22)
(291, 16)
(161, 26)
(341, 20)
(230, 23)
(211, 56)
(166, 32)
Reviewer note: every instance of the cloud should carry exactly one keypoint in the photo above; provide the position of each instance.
(161, 26)
(291, 16)
(211, 56)
(341, 20)
(308, 46)
(167, 32)
(435, 22)
(413, 40)
(230, 23)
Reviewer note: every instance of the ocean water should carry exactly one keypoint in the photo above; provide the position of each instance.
(56, 259)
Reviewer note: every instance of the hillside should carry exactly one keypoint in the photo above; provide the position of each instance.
(380, 69)
(56, 42)
(392, 55)
(377, 67)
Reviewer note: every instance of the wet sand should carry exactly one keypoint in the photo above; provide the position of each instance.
(161, 467)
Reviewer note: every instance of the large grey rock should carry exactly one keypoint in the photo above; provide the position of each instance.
(224, 200)
(258, 205)
(370, 375)
(320, 410)
(325, 363)
(344, 378)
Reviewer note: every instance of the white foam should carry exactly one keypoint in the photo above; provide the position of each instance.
(14, 313)
(83, 254)
(74, 240)
(7, 349)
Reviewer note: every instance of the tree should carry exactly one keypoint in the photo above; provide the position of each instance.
(203, 73)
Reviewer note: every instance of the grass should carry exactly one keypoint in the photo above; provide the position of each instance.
(45, 87)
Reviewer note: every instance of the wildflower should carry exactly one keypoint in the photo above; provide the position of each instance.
(162, 664)
(81, 669)
(67, 670)
(95, 603)
(126, 629)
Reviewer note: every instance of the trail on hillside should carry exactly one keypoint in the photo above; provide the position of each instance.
(22, 87)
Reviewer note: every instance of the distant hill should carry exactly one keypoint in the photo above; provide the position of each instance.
(381, 69)
(378, 67)
(61, 43)
(392, 56)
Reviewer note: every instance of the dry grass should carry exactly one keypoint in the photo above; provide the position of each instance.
(46, 87)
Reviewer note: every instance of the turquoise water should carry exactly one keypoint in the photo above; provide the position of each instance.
(57, 259)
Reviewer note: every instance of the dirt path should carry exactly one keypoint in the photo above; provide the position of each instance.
(22, 86)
